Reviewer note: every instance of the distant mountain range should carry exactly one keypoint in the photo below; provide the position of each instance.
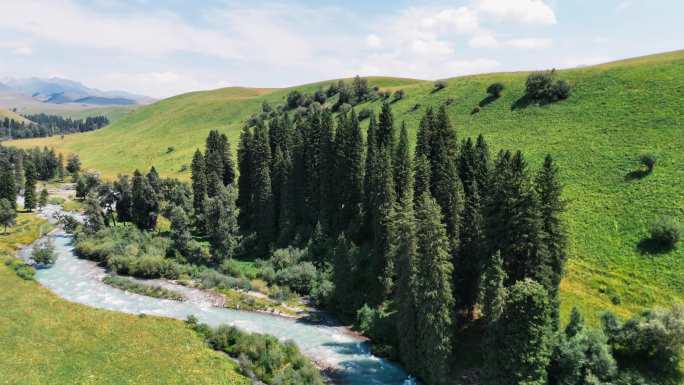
(57, 91)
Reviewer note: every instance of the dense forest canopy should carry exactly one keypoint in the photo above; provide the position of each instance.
(42, 125)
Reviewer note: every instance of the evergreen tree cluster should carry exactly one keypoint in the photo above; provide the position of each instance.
(43, 125)
(437, 240)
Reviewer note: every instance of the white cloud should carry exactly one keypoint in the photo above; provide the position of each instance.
(373, 41)
(524, 11)
(623, 5)
(485, 40)
(155, 84)
(530, 43)
(19, 48)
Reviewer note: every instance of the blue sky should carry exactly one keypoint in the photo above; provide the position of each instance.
(162, 48)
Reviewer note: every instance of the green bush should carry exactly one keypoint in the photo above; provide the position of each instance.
(22, 269)
(495, 89)
(666, 233)
(44, 253)
(655, 338)
(541, 87)
(648, 161)
(439, 85)
(142, 289)
(299, 277)
(261, 356)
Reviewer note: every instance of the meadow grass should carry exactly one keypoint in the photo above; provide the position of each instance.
(47, 340)
(617, 112)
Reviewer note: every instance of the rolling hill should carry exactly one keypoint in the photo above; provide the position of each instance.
(12, 115)
(617, 112)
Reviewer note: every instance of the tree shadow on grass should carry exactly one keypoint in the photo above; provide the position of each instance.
(650, 246)
(636, 175)
(488, 100)
(523, 102)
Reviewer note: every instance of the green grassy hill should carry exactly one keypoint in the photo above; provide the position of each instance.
(617, 112)
(48, 340)
(12, 115)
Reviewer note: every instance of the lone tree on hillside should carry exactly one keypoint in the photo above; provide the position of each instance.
(648, 161)
(495, 89)
(8, 215)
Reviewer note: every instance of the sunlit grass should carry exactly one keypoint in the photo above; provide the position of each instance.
(47, 340)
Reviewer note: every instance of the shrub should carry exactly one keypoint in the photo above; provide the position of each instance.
(439, 85)
(299, 277)
(495, 89)
(541, 87)
(648, 161)
(44, 253)
(283, 258)
(475, 110)
(294, 99)
(21, 268)
(281, 294)
(230, 267)
(170, 149)
(666, 233)
(655, 337)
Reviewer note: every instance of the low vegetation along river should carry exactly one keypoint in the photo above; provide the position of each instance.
(80, 281)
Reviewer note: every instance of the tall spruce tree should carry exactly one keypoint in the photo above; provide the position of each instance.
(549, 191)
(222, 228)
(227, 158)
(199, 187)
(214, 157)
(424, 136)
(385, 132)
(30, 187)
(446, 185)
(60, 166)
(349, 174)
(421, 171)
(8, 189)
(524, 337)
(493, 290)
(154, 180)
(329, 186)
(406, 262)
(434, 293)
(472, 255)
(245, 199)
(263, 195)
(124, 195)
(370, 176)
(403, 174)
(282, 196)
(144, 204)
(482, 166)
(19, 171)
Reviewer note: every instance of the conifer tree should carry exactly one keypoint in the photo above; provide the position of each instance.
(446, 185)
(144, 204)
(60, 167)
(282, 196)
(471, 257)
(329, 187)
(421, 171)
(245, 199)
(482, 166)
(549, 191)
(403, 174)
(214, 184)
(523, 337)
(263, 196)
(94, 217)
(154, 180)
(349, 173)
(385, 131)
(466, 165)
(434, 293)
(213, 156)
(405, 255)
(43, 198)
(227, 158)
(199, 186)
(124, 202)
(311, 147)
(222, 227)
(8, 189)
(370, 176)
(424, 136)
(19, 171)
(493, 289)
(30, 187)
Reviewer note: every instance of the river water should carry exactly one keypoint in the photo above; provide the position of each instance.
(80, 281)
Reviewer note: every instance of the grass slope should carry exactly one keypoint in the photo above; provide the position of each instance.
(47, 340)
(617, 111)
(12, 115)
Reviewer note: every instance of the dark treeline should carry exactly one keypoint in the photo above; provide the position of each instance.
(43, 125)
(20, 169)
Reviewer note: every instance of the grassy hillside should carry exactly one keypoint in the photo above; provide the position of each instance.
(12, 115)
(47, 340)
(113, 113)
(617, 112)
